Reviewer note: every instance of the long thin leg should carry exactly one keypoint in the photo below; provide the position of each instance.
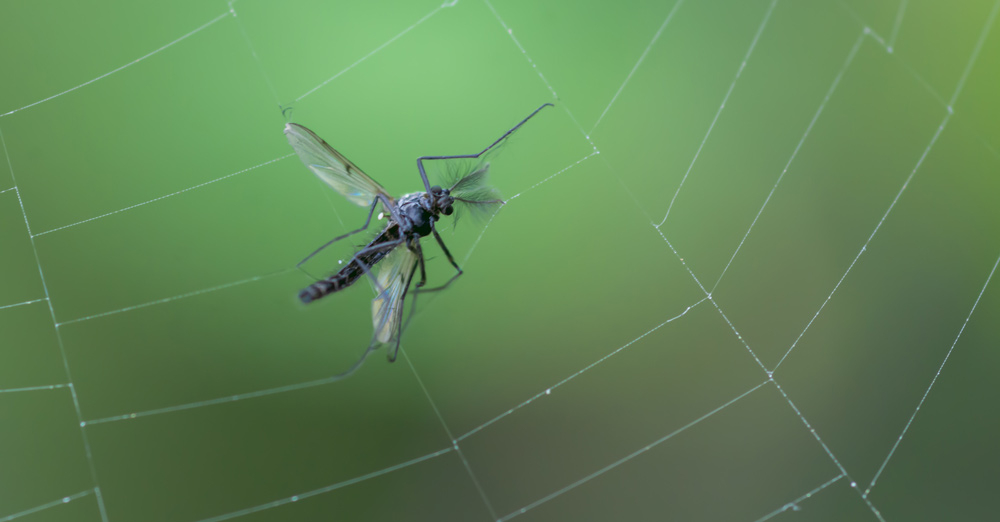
(437, 288)
(416, 249)
(338, 238)
(420, 160)
(446, 252)
(356, 365)
(450, 259)
(402, 301)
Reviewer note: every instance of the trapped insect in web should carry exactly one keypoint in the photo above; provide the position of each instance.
(397, 247)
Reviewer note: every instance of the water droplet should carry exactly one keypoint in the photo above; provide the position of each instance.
(295, 498)
(82, 424)
(66, 499)
(854, 484)
(548, 391)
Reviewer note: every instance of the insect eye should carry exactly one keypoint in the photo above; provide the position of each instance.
(448, 210)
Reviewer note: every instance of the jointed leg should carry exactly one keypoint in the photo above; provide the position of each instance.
(416, 249)
(446, 252)
(450, 260)
(338, 238)
(420, 160)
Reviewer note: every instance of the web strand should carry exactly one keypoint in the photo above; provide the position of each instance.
(24, 303)
(454, 442)
(35, 388)
(739, 71)
(510, 32)
(534, 67)
(62, 348)
(829, 93)
(975, 54)
(886, 47)
(270, 391)
(374, 51)
(769, 373)
(326, 489)
(133, 62)
(864, 247)
(708, 296)
(896, 24)
(180, 296)
(137, 205)
(926, 151)
(794, 505)
(253, 53)
(933, 381)
(47, 505)
(958, 89)
(548, 391)
(628, 457)
(886, 44)
(642, 58)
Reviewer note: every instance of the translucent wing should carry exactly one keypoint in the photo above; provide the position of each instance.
(472, 191)
(387, 308)
(332, 167)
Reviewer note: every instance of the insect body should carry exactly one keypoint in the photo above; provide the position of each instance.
(353, 271)
(416, 215)
(396, 249)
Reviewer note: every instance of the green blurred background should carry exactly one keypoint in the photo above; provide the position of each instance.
(200, 303)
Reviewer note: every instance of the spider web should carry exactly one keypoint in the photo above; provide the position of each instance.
(743, 272)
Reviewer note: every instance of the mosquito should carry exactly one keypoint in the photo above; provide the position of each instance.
(397, 246)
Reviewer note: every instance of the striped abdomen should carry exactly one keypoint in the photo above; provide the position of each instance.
(353, 271)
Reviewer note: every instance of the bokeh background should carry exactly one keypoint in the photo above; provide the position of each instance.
(169, 294)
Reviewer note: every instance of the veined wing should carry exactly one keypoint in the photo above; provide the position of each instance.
(387, 308)
(332, 167)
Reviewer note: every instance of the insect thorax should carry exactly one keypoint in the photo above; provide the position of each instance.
(415, 212)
